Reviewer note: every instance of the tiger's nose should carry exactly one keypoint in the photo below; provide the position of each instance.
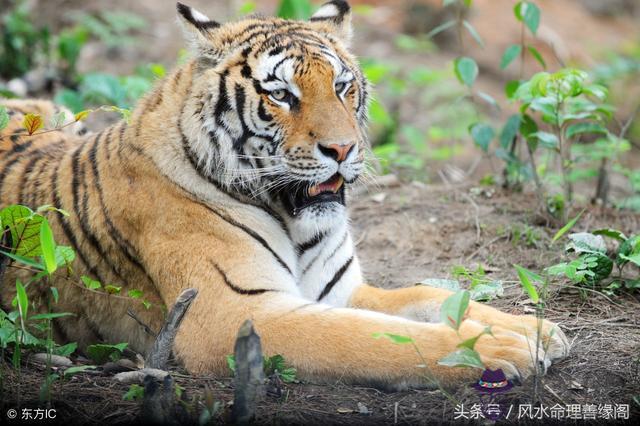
(336, 151)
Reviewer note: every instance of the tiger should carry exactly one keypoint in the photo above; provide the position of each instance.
(231, 177)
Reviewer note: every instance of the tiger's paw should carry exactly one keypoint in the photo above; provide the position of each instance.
(553, 340)
(515, 354)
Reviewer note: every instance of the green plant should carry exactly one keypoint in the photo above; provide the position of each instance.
(30, 242)
(295, 9)
(481, 288)
(593, 266)
(100, 88)
(135, 392)
(101, 353)
(274, 365)
(22, 44)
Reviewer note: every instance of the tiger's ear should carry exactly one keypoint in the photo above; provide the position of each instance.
(335, 17)
(198, 30)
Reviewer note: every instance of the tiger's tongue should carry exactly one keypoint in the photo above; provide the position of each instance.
(332, 185)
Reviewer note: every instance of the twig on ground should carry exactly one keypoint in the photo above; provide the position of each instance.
(144, 326)
(477, 215)
(488, 244)
(163, 345)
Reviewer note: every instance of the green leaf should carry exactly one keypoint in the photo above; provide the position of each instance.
(51, 315)
(489, 100)
(628, 248)
(23, 300)
(466, 70)
(586, 242)
(538, 57)
(472, 31)
(90, 283)
(566, 228)
(487, 291)
(55, 294)
(231, 363)
(395, 338)
(452, 285)
(463, 357)
(529, 13)
(4, 117)
(112, 289)
(65, 255)
(511, 88)
(65, 350)
(247, 7)
(27, 261)
(24, 226)
(510, 131)
(69, 98)
(77, 369)
(135, 392)
(440, 28)
(611, 233)
(471, 342)
(511, 53)
(101, 353)
(525, 279)
(453, 309)
(634, 258)
(48, 246)
(134, 294)
(546, 139)
(482, 135)
(587, 127)
(295, 9)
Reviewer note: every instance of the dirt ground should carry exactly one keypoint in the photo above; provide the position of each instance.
(420, 232)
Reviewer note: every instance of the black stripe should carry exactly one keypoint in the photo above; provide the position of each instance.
(308, 245)
(237, 289)
(336, 248)
(335, 279)
(115, 234)
(191, 156)
(64, 222)
(78, 177)
(28, 169)
(11, 163)
(251, 233)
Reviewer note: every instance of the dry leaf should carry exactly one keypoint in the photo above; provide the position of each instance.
(343, 410)
(82, 115)
(32, 123)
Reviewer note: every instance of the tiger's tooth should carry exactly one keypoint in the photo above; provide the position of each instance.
(314, 190)
(338, 184)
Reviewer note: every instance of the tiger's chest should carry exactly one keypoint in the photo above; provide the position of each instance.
(328, 269)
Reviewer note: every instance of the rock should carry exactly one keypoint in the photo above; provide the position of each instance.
(130, 377)
(56, 360)
(362, 409)
(18, 86)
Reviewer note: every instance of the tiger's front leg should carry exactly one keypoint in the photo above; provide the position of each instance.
(422, 303)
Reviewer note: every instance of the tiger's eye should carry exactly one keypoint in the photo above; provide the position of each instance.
(340, 87)
(279, 94)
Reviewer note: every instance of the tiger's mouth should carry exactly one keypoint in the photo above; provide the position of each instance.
(301, 197)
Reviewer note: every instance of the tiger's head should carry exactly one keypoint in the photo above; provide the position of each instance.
(277, 109)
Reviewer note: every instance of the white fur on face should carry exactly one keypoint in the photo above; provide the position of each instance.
(285, 72)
